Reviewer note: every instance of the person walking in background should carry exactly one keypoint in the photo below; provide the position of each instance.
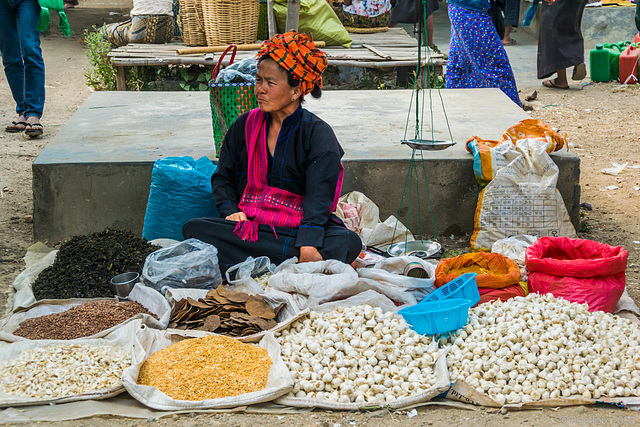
(560, 42)
(23, 63)
(511, 16)
(404, 12)
(477, 58)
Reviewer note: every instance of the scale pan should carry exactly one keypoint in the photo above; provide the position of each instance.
(419, 248)
(427, 144)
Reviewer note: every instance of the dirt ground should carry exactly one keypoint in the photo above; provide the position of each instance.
(602, 124)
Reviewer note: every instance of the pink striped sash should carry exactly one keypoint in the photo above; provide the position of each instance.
(262, 203)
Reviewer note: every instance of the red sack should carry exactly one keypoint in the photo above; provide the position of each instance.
(490, 295)
(578, 270)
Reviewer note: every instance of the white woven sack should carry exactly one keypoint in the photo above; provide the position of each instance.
(148, 341)
(122, 337)
(174, 295)
(37, 258)
(442, 385)
(149, 298)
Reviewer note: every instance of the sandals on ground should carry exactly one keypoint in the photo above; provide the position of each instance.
(13, 127)
(579, 72)
(550, 84)
(34, 129)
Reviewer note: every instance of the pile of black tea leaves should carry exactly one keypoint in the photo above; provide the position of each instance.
(85, 265)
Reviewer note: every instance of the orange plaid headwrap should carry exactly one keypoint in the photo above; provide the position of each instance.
(297, 54)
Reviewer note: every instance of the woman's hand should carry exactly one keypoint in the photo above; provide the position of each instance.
(309, 254)
(238, 216)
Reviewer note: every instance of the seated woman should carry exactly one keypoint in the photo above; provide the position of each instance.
(364, 13)
(279, 174)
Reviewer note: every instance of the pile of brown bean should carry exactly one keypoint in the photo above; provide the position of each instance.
(204, 368)
(80, 321)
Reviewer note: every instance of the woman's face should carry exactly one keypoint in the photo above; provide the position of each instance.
(272, 87)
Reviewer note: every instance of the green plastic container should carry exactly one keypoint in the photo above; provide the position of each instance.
(614, 59)
(599, 64)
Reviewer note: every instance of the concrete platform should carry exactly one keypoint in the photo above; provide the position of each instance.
(96, 172)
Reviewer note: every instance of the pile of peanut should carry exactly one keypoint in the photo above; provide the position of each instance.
(204, 368)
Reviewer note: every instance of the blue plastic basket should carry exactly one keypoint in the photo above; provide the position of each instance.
(464, 287)
(437, 317)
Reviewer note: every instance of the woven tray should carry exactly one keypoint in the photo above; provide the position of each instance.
(366, 30)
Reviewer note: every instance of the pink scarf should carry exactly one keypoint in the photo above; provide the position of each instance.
(262, 203)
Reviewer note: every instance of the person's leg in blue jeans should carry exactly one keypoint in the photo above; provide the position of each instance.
(22, 60)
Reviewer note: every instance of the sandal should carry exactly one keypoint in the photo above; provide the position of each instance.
(34, 129)
(13, 127)
(550, 84)
(509, 42)
(579, 72)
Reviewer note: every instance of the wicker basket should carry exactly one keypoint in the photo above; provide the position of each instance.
(230, 21)
(191, 19)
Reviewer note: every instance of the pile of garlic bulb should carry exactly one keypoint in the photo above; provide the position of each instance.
(539, 347)
(358, 354)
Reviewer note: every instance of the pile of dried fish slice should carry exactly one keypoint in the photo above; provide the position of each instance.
(225, 312)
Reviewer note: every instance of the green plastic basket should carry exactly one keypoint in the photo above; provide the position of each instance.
(228, 101)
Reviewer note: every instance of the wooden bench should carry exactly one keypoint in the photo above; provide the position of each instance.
(390, 49)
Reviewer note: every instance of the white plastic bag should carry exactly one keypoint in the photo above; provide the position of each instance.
(388, 274)
(522, 199)
(279, 381)
(514, 248)
(241, 276)
(188, 264)
(362, 216)
(320, 281)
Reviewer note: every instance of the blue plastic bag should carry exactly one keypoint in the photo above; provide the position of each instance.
(180, 191)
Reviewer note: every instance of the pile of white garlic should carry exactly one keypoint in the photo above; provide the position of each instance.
(358, 354)
(62, 370)
(539, 347)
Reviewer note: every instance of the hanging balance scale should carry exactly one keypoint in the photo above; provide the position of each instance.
(426, 80)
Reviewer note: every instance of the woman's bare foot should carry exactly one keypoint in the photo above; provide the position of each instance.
(34, 128)
(17, 126)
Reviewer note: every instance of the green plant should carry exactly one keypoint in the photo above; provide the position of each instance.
(101, 75)
(585, 225)
(194, 78)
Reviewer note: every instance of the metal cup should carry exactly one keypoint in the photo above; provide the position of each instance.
(415, 269)
(122, 284)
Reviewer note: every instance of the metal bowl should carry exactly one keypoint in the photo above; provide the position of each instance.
(426, 144)
(122, 284)
(419, 248)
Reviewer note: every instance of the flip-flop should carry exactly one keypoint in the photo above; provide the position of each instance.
(34, 129)
(579, 72)
(509, 43)
(550, 84)
(13, 127)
